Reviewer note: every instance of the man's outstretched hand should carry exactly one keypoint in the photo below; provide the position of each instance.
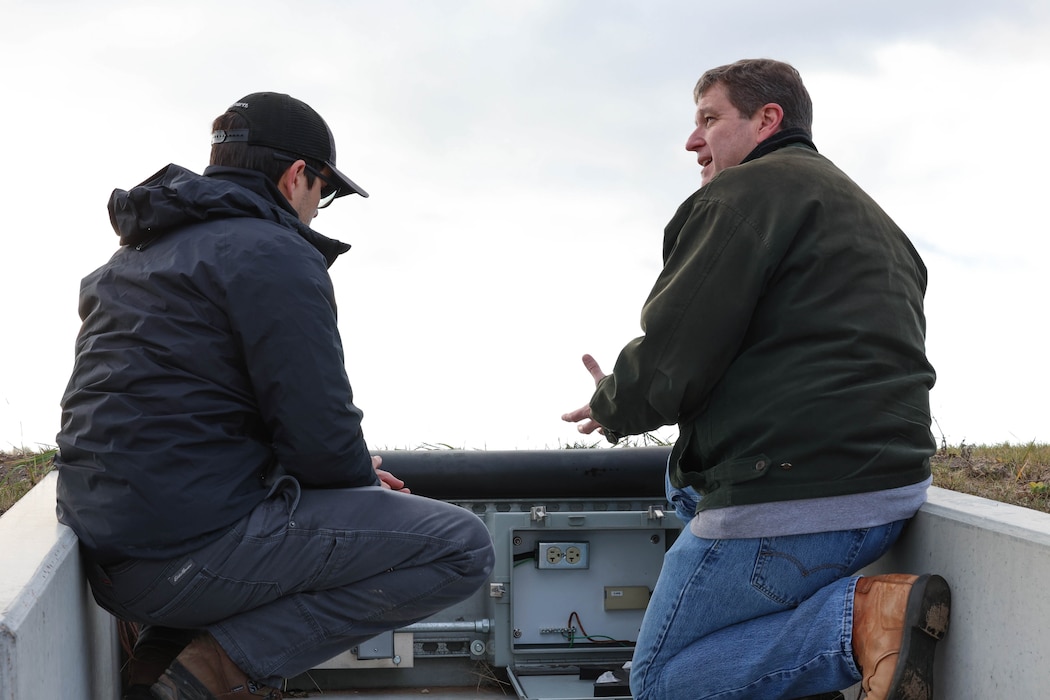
(582, 416)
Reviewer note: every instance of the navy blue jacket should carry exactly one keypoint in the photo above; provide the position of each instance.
(209, 359)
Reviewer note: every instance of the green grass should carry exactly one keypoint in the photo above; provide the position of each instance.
(21, 471)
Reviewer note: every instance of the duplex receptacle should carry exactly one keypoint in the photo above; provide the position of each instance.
(563, 555)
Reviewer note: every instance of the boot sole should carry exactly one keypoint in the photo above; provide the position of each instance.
(925, 624)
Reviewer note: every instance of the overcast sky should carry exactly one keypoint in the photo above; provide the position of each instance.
(523, 158)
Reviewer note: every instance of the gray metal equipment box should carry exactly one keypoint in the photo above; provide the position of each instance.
(561, 625)
(579, 537)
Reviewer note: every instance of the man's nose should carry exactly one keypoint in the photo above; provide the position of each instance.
(694, 141)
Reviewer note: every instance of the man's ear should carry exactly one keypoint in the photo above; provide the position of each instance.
(290, 180)
(771, 119)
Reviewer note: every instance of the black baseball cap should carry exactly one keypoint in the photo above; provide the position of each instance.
(290, 126)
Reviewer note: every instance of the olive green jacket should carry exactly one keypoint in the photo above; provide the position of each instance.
(785, 336)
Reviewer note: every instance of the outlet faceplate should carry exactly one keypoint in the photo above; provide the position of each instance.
(563, 555)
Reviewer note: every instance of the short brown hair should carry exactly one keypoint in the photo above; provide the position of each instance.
(240, 154)
(754, 82)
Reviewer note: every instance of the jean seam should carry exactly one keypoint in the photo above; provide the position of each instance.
(847, 627)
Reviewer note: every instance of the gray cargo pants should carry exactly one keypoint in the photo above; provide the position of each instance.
(308, 574)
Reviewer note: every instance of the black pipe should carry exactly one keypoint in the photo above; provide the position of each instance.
(631, 472)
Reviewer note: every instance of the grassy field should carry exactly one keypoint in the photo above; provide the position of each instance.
(1017, 474)
(19, 472)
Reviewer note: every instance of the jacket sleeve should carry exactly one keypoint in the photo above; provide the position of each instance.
(282, 307)
(693, 322)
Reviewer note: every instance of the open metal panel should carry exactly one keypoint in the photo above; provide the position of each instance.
(579, 538)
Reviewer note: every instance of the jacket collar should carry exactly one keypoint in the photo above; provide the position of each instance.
(778, 140)
(261, 185)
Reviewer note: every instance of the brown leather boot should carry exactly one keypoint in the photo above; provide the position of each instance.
(897, 621)
(203, 671)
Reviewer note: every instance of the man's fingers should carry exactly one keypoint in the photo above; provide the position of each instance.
(582, 416)
(592, 366)
(582, 413)
(589, 426)
(386, 479)
(389, 481)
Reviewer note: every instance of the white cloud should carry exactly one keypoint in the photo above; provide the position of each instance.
(523, 159)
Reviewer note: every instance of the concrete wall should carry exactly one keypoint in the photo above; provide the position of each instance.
(996, 558)
(54, 641)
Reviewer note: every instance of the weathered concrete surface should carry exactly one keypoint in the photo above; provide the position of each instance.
(996, 558)
(54, 641)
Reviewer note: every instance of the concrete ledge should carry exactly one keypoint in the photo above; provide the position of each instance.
(996, 558)
(55, 642)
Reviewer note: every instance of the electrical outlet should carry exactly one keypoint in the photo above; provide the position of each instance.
(563, 555)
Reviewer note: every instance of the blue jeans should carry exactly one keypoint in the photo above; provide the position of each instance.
(753, 618)
(308, 574)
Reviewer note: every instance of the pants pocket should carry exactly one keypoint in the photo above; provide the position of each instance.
(790, 569)
(206, 598)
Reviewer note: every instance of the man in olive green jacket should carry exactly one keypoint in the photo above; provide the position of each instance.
(785, 336)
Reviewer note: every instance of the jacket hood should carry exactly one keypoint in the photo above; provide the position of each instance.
(175, 197)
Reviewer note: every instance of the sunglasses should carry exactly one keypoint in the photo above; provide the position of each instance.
(329, 188)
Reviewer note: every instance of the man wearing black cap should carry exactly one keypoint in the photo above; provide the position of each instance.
(211, 459)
